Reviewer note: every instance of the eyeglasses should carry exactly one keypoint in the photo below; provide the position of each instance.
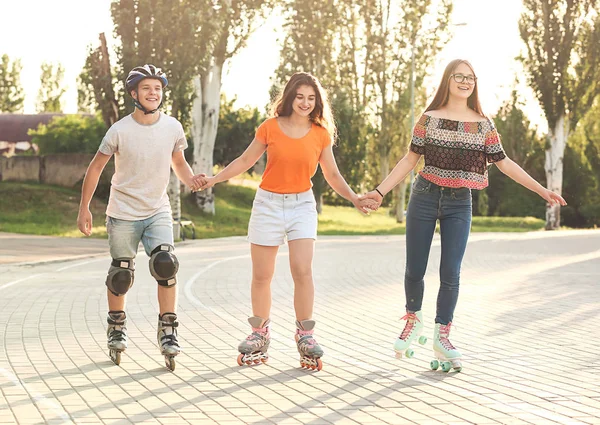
(460, 78)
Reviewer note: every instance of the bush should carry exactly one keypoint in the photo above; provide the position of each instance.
(591, 213)
(571, 217)
(69, 134)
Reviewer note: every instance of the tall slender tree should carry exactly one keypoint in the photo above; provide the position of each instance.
(176, 36)
(235, 20)
(96, 84)
(562, 60)
(51, 88)
(310, 45)
(401, 36)
(12, 96)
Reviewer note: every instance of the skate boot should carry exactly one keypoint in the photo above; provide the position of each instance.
(254, 348)
(167, 338)
(310, 351)
(116, 335)
(412, 331)
(447, 357)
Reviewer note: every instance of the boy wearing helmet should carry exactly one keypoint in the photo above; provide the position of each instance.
(146, 144)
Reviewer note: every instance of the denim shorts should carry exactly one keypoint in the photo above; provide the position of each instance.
(124, 236)
(276, 217)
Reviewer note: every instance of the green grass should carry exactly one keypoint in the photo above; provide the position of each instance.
(50, 210)
(45, 210)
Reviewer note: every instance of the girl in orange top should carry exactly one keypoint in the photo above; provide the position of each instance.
(297, 138)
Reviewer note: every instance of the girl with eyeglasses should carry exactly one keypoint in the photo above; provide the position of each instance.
(458, 142)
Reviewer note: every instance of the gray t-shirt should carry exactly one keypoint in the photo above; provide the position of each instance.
(142, 165)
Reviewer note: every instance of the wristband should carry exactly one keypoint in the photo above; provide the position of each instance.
(377, 190)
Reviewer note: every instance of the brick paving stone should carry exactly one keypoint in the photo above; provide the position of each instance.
(522, 363)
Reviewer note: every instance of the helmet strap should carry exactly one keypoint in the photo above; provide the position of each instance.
(138, 105)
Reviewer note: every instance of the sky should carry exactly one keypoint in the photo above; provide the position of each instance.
(62, 30)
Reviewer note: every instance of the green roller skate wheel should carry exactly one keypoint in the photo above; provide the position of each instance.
(409, 353)
(422, 340)
(434, 364)
(446, 366)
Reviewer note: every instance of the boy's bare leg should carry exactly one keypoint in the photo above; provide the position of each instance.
(115, 303)
(167, 299)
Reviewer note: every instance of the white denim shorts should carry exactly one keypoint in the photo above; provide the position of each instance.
(276, 217)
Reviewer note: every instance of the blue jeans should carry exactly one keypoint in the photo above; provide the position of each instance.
(429, 203)
(124, 236)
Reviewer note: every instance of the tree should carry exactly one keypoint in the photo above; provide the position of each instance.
(69, 134)
(562, 39)
(51, 88)
(236, 131)
(399, 36)
(235, 20)
(581, 188)
(309, 46)
(176, 36)
(12, 96)
(95, 89)
(523, 144)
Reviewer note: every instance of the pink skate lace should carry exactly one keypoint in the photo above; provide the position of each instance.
(410, 323)
(444, 334)
(308, 342)
(257, 336)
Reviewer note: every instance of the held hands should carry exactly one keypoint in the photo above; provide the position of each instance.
(202, 182)
(371, 200)
(365, 206)
(552, 198)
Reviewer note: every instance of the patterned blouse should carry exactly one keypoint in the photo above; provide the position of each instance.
(456, 153)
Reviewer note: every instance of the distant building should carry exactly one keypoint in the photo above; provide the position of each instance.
(13, 132)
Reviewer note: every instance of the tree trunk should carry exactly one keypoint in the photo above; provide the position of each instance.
(174, 192)
(554, 167)
(205, 119)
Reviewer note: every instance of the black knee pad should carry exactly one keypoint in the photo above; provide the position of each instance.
(120, 276)
(164, 265)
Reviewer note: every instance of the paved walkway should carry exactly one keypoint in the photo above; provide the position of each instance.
(526, 323)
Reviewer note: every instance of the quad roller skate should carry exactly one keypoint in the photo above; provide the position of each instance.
(447, 356)
(167, 338)
(310, 351)
(116, 334)
(253, 349)
(412, 331)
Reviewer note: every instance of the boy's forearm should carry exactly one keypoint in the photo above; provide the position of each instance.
(90, 183)
(184, 173)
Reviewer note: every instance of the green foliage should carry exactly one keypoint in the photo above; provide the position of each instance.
(523, 145)
(511, 199)
(591, 213)
(51, 88)
(569, 38)
(95, 85)
(482, 203)
(236, 131)
(69, 134)
(351, 148)
(12, 95)
(581, 187)
(86, 102)
(175, 35)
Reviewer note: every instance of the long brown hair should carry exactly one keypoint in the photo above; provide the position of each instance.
(321, 115)
(443, 91)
